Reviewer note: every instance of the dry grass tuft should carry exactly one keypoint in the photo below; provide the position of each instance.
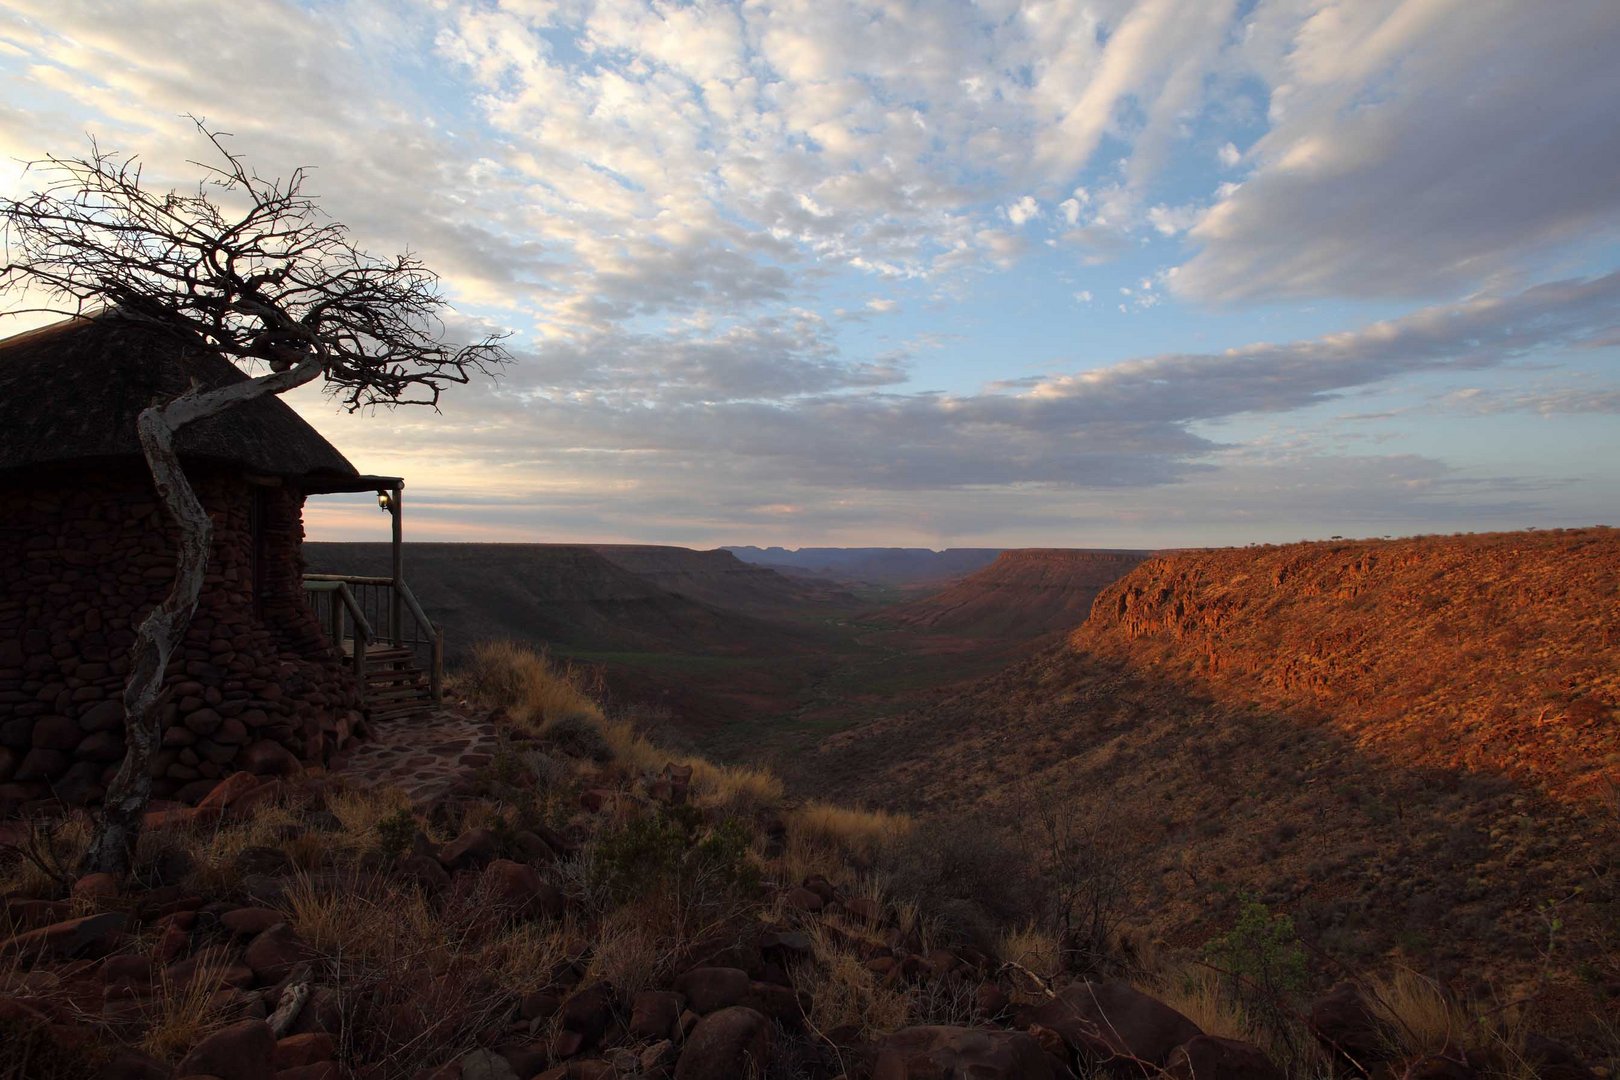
(844, 993)
(183, 1013)
(851, 832)
(534, 692)
(1197, 994)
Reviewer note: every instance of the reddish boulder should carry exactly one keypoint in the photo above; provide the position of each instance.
(251, 921)
(307, 1049)
(470, 850)
(1210, 1057)
(1345, 1024)
(229, 790)
(732, 1044)
(320, 1070)
(710, 989)
(90, 936)
(945, 1053)
(517, 888)
(585, 1018)
(1112, 1019)
(267, 758)
(95, 888)
(243, 1051)
(654, 1014)
(802, 899)
(274, 953)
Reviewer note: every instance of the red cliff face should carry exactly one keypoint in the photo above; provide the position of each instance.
(1024, 593)
(1498, 651)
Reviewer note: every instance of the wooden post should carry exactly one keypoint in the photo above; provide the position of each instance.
(360, 662)
(436, 674)
(396, 608)
(335, 622)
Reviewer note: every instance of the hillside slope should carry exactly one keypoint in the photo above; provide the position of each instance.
(1394, 743)
(1495, 652)
(1024, 593)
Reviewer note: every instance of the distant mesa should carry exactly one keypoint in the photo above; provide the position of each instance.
(872, 566)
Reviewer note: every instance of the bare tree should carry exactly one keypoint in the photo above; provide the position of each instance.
(247, 267)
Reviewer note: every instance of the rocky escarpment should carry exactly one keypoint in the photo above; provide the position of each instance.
(1024, 593)
(1497, 652)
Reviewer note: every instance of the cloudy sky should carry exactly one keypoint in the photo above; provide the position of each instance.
(1077, 272)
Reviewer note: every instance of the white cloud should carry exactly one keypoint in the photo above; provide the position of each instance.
(1416, 148)
(1024, 210)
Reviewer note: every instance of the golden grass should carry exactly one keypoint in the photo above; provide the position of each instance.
(849, 831)
(353, 925)
(1197, 994)
(60, 845)
(1032, 949)
(629, 949)
(1428, 1020)
(521, 957)
(183, 1013)
(533, 691)
(844, 993)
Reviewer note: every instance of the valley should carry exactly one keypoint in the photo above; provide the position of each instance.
(1409, 747)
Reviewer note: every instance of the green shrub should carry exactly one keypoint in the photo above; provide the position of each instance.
(395, 833)
(670, 852)
(1261, 953)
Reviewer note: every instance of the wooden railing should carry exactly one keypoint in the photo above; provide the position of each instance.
(383, 602)
(339, 601)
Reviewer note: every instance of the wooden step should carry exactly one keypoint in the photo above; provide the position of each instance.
(393, 675)
(387, 697)
(398, 712)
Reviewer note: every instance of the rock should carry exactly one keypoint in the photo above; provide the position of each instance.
(470, 850)
(586, 1014)
(781, 1003)
(57, 733)
(1550, 1059)
(990, 1001)
(710, 989)
(269, 759)
(1439, 1067)
(274, 953)
(251, 921)
(802, 899)
(1210, 1057)
(1345, 1025)
(864, 909)
(95, 888)
(518, 889)
(308, 1049)
(657, 1059)
(243, 1051)
(655, 1013)
(230, 789)
(103, 716)
(486, 1065)
(424, 870)
(945, 1053)
(320, 1070)
(732, 1044)
(89, 936)
(1112, 1019)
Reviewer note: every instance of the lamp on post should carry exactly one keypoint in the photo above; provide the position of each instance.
(385, 501)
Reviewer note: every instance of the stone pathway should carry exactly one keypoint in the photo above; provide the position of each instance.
(425, 755)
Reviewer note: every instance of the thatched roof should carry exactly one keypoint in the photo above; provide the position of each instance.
(70, 392)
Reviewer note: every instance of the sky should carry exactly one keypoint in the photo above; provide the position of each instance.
(817, 272)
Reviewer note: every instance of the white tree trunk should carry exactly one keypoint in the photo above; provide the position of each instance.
(118, 826)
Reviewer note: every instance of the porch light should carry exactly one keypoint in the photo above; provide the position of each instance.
(385, 501)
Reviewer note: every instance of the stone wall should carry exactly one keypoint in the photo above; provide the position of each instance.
(83, 557)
